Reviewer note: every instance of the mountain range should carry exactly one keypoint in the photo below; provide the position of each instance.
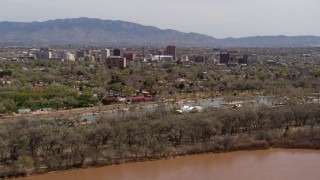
(108, 32)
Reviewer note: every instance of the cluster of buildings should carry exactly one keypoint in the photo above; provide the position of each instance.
(168, 54)
(232, 58)
(113, 58)
(43, 53)
(120, 57)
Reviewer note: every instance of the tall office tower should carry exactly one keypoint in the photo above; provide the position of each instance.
(104, 54)
(171, 50)
(224, 57)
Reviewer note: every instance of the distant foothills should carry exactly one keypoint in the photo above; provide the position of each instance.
(108, 32)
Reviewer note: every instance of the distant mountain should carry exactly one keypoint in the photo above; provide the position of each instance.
(274, 41)
(89, 30)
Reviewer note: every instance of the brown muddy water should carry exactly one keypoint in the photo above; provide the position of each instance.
(275, 164)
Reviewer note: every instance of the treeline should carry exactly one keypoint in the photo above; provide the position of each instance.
(42, 145)
(54, 96)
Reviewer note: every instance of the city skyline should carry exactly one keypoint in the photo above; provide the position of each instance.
(217, 18)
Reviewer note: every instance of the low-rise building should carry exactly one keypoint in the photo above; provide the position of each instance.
(163, 58)
(24, 111)
(130, 56)
(116, 61)
(304, 71)
(189, 108)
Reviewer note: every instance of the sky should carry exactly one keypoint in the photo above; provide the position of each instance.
(217, 18)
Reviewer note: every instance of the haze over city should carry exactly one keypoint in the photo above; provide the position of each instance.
(217, 18)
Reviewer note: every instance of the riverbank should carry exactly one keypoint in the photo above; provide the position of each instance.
(295, 141)
(253, 146)
(30, 147)
(241, 165)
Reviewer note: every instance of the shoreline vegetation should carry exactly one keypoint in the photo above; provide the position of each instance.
(42, 146)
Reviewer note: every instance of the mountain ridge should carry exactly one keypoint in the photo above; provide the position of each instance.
(93, 30)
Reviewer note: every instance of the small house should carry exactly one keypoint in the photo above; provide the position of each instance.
(24, 111)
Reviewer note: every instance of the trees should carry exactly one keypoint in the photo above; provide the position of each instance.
(56, 144)
(25, 163)
(230, 122)
(263, 118)
(70, 102)
(4, 151)
(9, 104)
(57, 102)
(96, 137)
(33, 137)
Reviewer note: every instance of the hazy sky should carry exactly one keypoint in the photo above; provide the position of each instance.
(218, 18)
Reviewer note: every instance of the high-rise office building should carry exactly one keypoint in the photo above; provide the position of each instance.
(104, 54)
(171, 50)
(224, 57)
(118, 52)
(44, 54)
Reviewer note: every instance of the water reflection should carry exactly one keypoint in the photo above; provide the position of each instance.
(276, 164)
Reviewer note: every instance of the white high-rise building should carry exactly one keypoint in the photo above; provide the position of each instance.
(69, 56)
(105, 53)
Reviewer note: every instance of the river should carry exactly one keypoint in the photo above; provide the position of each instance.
(275, 164)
